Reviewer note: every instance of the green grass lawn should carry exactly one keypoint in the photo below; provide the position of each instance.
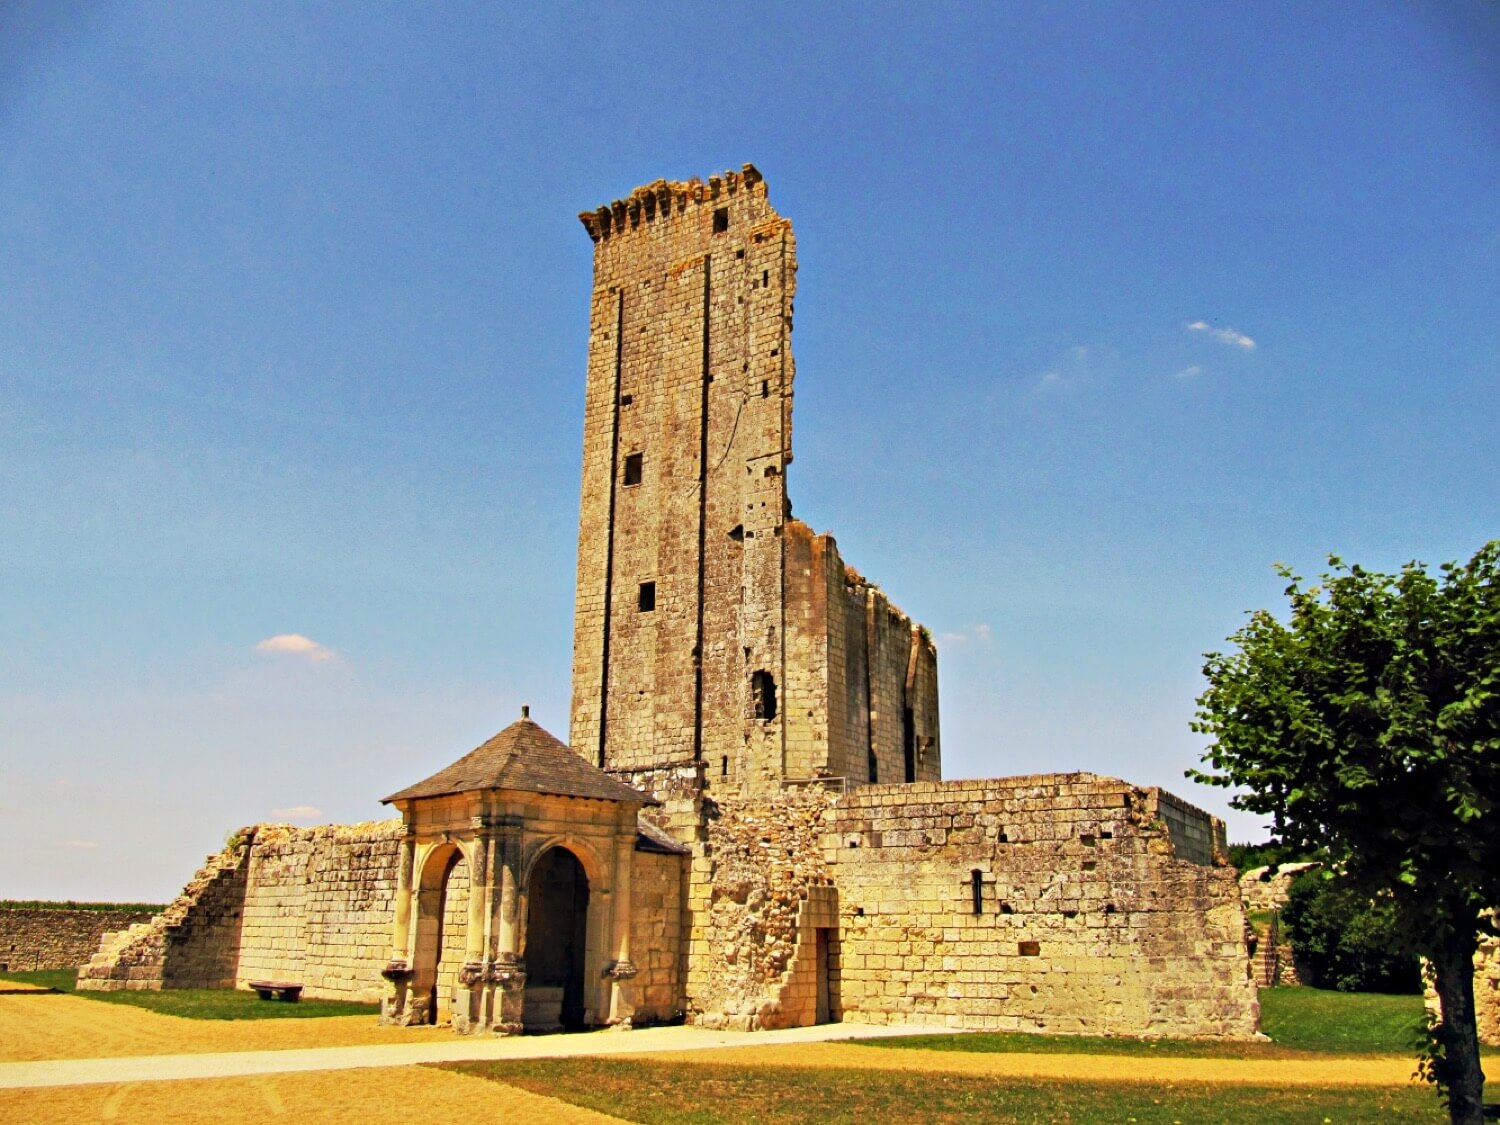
(1300, 1022)
(661, 1093)
(197, 1003)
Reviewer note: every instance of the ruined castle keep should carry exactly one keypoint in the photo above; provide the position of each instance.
(748, 827)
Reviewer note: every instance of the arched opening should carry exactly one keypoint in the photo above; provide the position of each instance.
(556, 941)
(442, 925)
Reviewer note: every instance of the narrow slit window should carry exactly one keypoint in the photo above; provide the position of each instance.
(633, 465)
(721, 220)
(647, 598)
(976, 890)
(724, 766)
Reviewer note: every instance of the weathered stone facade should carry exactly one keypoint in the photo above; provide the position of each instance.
(56, 937)
(749, 829)
(710, 627)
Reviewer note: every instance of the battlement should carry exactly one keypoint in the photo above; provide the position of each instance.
(662, 199)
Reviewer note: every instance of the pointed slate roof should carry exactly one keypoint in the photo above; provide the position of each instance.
(525, 757)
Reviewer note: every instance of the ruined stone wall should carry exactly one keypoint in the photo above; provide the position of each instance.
(710, 627)
(193, 943)
(862, 678)
(56, 937)
(318, 905)
(1088, 920)
(1487, 991)
(310, 905)
(656, 890)
(748, 883)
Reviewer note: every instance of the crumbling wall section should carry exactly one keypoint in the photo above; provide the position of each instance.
(1055, 903)
(748, 883)
(194, 943)
(307, 905)
(57, 937)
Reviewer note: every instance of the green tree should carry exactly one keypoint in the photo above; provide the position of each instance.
(1368, 728)
(1350, 941)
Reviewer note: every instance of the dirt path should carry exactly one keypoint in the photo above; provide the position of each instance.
(415, 1092)
(1364, 1071)
(49, 1025)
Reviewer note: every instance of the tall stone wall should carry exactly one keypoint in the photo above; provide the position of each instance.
(56, 937)
(318, 908)
(1085, 919)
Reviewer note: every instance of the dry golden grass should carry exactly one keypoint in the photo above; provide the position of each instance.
(384, 1094)
(49, 1025)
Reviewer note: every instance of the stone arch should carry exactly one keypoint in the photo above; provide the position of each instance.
(564, 928)
(441, 922)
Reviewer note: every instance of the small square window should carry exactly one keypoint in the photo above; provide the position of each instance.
(647, 599)
(633, 463)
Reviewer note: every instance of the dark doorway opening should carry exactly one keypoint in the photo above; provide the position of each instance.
(556, 941)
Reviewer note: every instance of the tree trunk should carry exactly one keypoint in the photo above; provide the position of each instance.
(1453, 975)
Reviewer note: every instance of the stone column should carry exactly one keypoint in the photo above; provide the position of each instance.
(393, 1005)
(621, 971)
(507, 972)
(468, 1012)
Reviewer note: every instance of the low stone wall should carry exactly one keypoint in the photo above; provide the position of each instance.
(56, 937)
(1262, 890)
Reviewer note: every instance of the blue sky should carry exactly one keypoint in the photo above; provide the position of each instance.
(1103, 310)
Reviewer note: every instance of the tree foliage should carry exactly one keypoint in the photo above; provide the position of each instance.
(1367, 726)
(1347, 939)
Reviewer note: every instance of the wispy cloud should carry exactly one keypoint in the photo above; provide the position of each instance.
(298, 812)
(980, 634)
(81, 845)
(1070, 369)
(1224, 335)
(295, 644)
(1189, 372)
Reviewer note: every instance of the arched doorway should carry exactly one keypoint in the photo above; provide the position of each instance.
(442, 925)
(556, 941)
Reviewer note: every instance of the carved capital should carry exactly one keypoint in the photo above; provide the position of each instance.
(471, 973)
(621, 970)
(397, 972)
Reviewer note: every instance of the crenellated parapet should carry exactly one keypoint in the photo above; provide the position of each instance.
(668, 199)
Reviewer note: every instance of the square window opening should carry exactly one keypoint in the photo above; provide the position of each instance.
(633, 465)
(721, 220)
(646, 600)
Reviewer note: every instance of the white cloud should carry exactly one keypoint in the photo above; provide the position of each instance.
(980, 633)
(1189, 372)
(295, 644)
(1225, 335)
(1070, 369)
(82, 845)
(298, 812)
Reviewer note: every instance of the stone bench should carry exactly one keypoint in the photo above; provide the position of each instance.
(277, 990)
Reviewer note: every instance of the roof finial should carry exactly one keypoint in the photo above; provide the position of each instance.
(525, 710)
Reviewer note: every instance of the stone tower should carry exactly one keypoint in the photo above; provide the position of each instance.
(718, 643)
